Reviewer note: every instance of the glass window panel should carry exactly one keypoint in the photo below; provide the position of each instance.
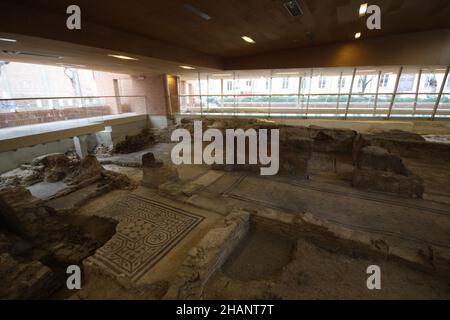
(285, 81)
(444, 106)
(387, 79)
(252, 82)
(408, 80)
(189, 85)
(382, 105)
(327, 81)
(431, 80)
(361, 105)
(253, 103)
(365, 81)
(447, 86)
(403, 105)
(425, 104)
(214, 86)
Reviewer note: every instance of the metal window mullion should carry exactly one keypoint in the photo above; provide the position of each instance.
(270, 92)
(178, 95)
(438, 100)
(416, 98)
(207, 93)
(375, 105)
(234, 93)
(200, 95)
(309, 93)
(339, 94)
(221, 93)
(350, 92)
(299, 91)
(394, 94)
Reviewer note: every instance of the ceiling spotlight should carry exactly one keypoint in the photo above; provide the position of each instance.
(222, 74)
(187, 67)
(121, 57)
(357, 35)
(362, 9)
(8, 40)
(248, 39)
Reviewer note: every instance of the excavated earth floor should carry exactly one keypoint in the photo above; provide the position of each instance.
(269, 266)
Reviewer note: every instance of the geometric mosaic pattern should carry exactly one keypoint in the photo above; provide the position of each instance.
(144, 235)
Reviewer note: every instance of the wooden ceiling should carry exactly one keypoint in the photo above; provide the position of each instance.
(266, 21)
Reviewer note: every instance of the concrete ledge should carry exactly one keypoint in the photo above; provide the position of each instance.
(124, 120)
(45, 137)
(19, 145)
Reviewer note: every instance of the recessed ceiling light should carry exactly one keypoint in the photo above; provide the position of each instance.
(121, 57)
(24, 53)
(357, 35)
(222, 75)
(187, 67)
(197, 12)
(287, 73)
(8, 40)
(362, 9)
(71, 65)
(248, 39)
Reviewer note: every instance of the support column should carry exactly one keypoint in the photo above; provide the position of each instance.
(81, 146)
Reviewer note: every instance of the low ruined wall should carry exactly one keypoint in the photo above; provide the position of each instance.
(415, 149)
(208, 256)
(13, 119)
(430, 258)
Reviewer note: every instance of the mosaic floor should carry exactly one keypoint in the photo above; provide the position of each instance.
(145, 233)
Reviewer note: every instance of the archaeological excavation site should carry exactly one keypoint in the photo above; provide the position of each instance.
(238, 152)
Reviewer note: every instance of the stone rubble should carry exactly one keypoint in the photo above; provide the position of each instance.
(32, 235)
(135, 143)
(379, 170)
